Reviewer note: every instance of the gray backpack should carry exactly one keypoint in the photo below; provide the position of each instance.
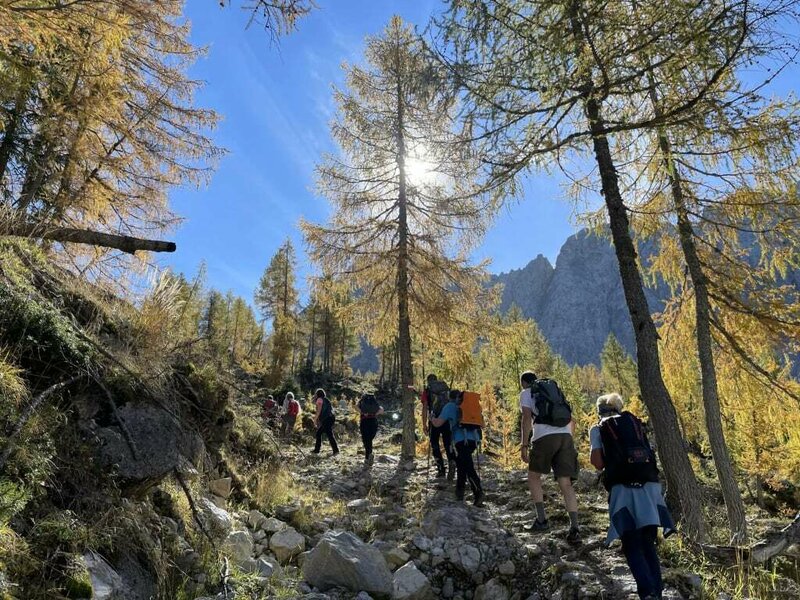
(552, 407)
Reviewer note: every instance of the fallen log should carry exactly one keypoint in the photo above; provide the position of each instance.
(125, 243)
(774, 544)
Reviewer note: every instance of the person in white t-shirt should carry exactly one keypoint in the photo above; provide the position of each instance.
(548, 448)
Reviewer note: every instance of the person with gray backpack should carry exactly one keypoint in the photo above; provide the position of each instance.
(547, 445)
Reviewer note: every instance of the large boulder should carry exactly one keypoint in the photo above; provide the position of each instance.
(410, 584)
(492, 590)
(160, 442)
(286, 544)
(341, 559)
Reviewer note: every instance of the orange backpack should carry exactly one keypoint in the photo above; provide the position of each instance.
(470, 411)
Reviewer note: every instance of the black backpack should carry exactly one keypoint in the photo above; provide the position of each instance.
(552, 407)
(327, 409)
(369, 404)
(629, 459)
(438, 396)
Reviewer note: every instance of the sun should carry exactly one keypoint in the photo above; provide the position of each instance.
(419, 171)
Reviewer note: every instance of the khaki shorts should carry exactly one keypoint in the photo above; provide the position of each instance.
(555, 451)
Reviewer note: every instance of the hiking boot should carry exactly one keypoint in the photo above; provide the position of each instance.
(334, 453)
(440, 469)
(574, 535)
(459, 495)
(478, 501)
(315, 452)
(370, 459)
(451, 470)
(538, 525)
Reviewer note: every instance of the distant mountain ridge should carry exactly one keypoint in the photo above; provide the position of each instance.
(578, 302)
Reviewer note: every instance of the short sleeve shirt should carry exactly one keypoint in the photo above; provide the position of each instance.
(539, 429)
(595, 440)
(460, 434)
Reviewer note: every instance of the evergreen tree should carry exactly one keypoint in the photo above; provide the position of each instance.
(618, 369)
(403, 192)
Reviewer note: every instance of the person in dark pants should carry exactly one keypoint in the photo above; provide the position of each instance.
(434, 398)
(324, 420)
(369, 410)
(465, 442)
(636, 508)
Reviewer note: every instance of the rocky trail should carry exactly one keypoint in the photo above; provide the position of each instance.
(394, 531)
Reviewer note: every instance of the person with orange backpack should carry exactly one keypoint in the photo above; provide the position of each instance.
(465, 422)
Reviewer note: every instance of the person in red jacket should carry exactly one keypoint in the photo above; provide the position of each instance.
(291, 412)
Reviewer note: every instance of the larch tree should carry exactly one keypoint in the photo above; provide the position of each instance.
(726, 165)
(407, 209)
(277, 299)
(552, 83)
(618, 370)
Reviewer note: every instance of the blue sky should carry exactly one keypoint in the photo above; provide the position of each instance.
(276, 104)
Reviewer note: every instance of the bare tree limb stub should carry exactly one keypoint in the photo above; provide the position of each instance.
(125, 243)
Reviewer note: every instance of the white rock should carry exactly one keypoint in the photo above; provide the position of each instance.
(362, 504)
(217, 521)
(220, 487)
(106, 582)
(410, 584)
(264, 568)
(239, 546)
(287, 543)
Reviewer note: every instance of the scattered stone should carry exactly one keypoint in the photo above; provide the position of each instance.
(422, 543)
(264, 568)
(396, 557)
(220, 487)
(363, 596)
(216, 520)
(219, 501)
(410, 584)
(273, 525)
(255, 519)
(286, 544)
(448, 522)
(362, 504)
(239, 546)
(287, 513)
(341, 559)
(507, 568)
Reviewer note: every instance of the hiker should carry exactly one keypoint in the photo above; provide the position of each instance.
(323, 421)
(270, 409)
(369, 410)
(434, 398)
(465, 441)
(636, 506)
(291, 412)
(547, 415)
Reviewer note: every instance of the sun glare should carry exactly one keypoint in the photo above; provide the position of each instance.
(420, 171)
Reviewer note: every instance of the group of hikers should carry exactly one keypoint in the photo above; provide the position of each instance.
(452, 421)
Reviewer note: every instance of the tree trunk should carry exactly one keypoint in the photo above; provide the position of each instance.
(711, 404)
(683, 492)
(681, 482)
(125, 243)
(408, 449)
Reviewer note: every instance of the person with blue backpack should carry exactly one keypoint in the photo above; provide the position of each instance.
(547, 445)
(324, 420)
(465, 441)
(434, 399)
(636, 506)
